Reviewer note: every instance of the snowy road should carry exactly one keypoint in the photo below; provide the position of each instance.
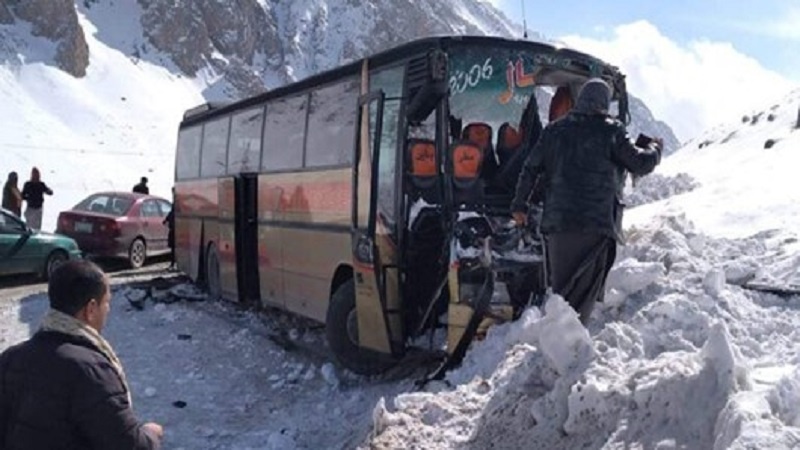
(214, 376)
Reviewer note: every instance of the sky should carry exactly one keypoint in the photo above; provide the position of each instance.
(694, 63)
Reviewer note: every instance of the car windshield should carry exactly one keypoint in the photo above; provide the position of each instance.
(105, 204)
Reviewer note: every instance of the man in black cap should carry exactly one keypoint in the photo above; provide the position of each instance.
(581, 161)
(65, 388)
(142, 188)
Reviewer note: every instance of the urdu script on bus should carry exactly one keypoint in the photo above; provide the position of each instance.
(516, 77)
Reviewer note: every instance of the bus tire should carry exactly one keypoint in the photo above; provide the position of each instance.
(341, 330)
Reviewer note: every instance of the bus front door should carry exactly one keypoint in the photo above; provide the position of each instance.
(378, 308)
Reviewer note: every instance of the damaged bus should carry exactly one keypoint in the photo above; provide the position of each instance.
(374, 198)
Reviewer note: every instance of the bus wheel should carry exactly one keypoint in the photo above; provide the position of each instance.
(213, 283)
(342, 332)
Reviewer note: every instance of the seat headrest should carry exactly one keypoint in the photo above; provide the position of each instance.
(422, 154)
(480, 133)
(561, 103)
(508, 137)
(467, 160)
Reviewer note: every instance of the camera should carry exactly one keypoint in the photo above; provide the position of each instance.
(643, 141)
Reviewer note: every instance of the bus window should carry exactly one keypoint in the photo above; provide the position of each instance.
(491, 86)
(244, 154)
(215, 146)
(283, 134)
(391, 82)
(331, 122)
(188, 158)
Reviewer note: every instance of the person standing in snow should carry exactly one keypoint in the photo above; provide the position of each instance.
(12, 197)
(65, 388)
(141, 187)
(582, 161)
(33, 193)
(169, 221)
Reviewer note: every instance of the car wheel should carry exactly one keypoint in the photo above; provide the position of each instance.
(54, 259)
(137, 253)
(341, 328)
(213, 283)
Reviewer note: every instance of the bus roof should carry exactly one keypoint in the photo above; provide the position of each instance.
(207, 111)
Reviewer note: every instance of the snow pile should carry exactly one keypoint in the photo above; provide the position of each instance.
(656, 187)
(674, 361)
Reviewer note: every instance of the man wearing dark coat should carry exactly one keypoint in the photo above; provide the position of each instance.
(65, 388)
(141, 187)
(581, 161)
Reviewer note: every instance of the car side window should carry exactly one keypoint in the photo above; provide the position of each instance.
(150, 209)
(166, 207)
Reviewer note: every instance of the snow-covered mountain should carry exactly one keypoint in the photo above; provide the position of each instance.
(112, 78)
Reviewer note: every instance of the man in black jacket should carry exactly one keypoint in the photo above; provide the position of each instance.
(65, 388)
(141, 187)
(581, 161)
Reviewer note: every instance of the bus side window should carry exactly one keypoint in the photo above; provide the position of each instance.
(331, 125)
(187, 161)
(215, 148)
(284, 129)
(244, 153)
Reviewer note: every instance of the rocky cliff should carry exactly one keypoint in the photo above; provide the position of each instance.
(56, 20)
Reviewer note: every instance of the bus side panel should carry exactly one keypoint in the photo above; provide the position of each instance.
(270, 247)
(187, 245)
(197, 204)
(316, 237)
(270, 273)
(310, 265)
(226, 244)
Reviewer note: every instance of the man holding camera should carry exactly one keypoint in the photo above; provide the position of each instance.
(582, 161)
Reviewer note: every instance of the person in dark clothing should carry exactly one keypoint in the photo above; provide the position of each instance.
(65, 387)
(141, 187)
(169, 221)
(582, 161)
(12, 197)
(33, 193)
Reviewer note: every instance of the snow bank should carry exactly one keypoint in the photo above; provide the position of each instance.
(669, 362)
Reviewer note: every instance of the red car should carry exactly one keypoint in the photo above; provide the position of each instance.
(118, 224)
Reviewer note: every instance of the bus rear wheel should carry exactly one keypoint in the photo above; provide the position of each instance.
(342, 332)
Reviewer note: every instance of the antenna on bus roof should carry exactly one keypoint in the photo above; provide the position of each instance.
(524, 22)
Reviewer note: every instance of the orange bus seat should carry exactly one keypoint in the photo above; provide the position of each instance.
(467, 160)
(423, 157)
(421, 168)
(480, 134)
(508, 142)
(560, 104)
